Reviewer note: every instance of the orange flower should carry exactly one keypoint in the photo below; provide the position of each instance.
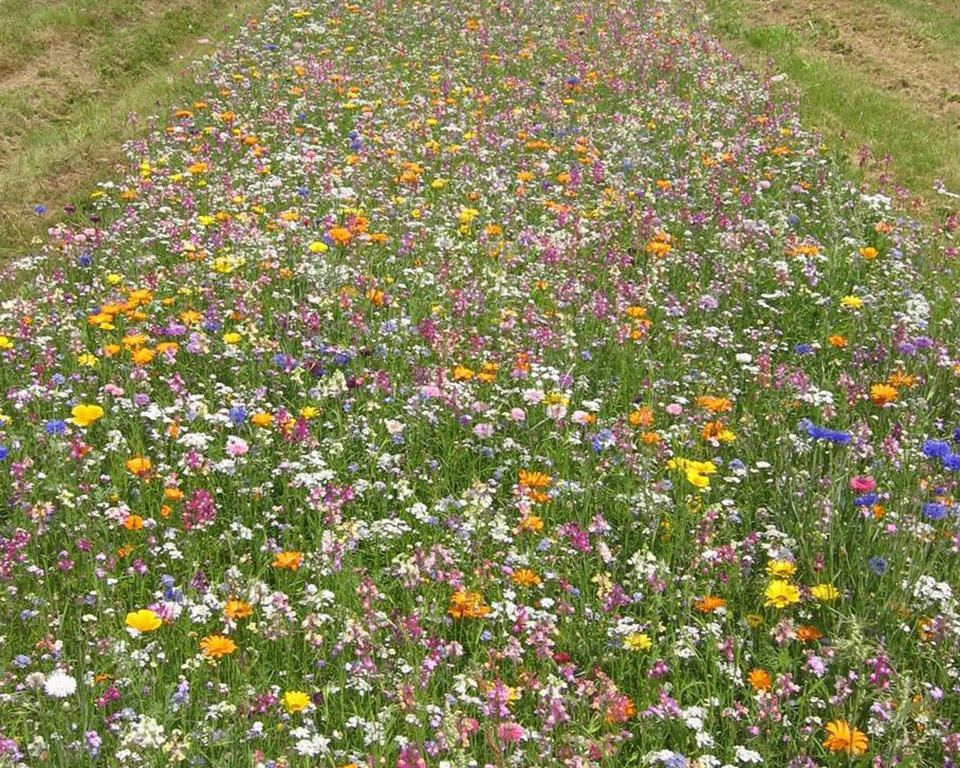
(531, 523)
(868, 252)
(467, 605)
(642, 417)
(262, 419)
(139, 466)
(534, 479)
(287, 560)
(525, 578)
(759, 680)
(882, 394)
(217, 646)
(143, 356)
(714, 404)
(133, 522)
(462, 373)
(841, 737)
(807, 634)
(172, 494)
(709, 604)
(237, 609)
(901, 380)
(838, 341)
(340, 236)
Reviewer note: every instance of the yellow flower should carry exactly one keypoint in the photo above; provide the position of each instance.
(781, 594)
(841, 737)
(851, 302)
(309, 412)
(637, 641)
(782, 569)
(825, 592)
(295, 701)
(317, 246)
(5, 343)
(143, 621)
(85, 415)
(231, 338)
(868, 252)
(217, 646)
(87, 360)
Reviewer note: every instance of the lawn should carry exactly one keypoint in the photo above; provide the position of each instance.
(78, 77)
(476, 385)
(880, 74)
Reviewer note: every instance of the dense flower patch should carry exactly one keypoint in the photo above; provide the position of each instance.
(503, 385)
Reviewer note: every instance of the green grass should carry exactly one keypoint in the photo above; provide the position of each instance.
(845, 99)
(71, 74)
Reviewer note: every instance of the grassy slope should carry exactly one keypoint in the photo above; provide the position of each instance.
(885, 73)
(72, 75)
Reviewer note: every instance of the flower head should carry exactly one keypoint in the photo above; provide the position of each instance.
(780, 594)
(85, 415)
(841, 737)
(143, 620)
(217, 646)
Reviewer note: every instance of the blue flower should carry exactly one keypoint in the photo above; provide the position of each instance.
(951, 461)
(55, 427)
(822, 433)
(4, 452)
(238, 415)
(936, 449)
(934, 511)
(802, 349)
(603, 439)
(956, 435)
(867, 500)
(39, 209)
(878, 565)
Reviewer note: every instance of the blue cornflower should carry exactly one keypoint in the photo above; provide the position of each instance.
(85, 260)
(238, 415)
(20, 661)
(936, 449)
(934, 511)
(956, 435)
(4, 452)
(39, 209)
(866, 500)
(951, 461)
(822, 433)
(878, 565)
(55, 427)
(802, 349)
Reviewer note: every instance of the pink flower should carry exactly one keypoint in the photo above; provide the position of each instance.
(510, 732)
(674, 409)
(862, 484)
(483, 430)
(236, 446)
(518, 414)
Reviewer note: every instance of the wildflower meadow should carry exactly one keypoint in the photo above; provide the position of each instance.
(500, 384)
